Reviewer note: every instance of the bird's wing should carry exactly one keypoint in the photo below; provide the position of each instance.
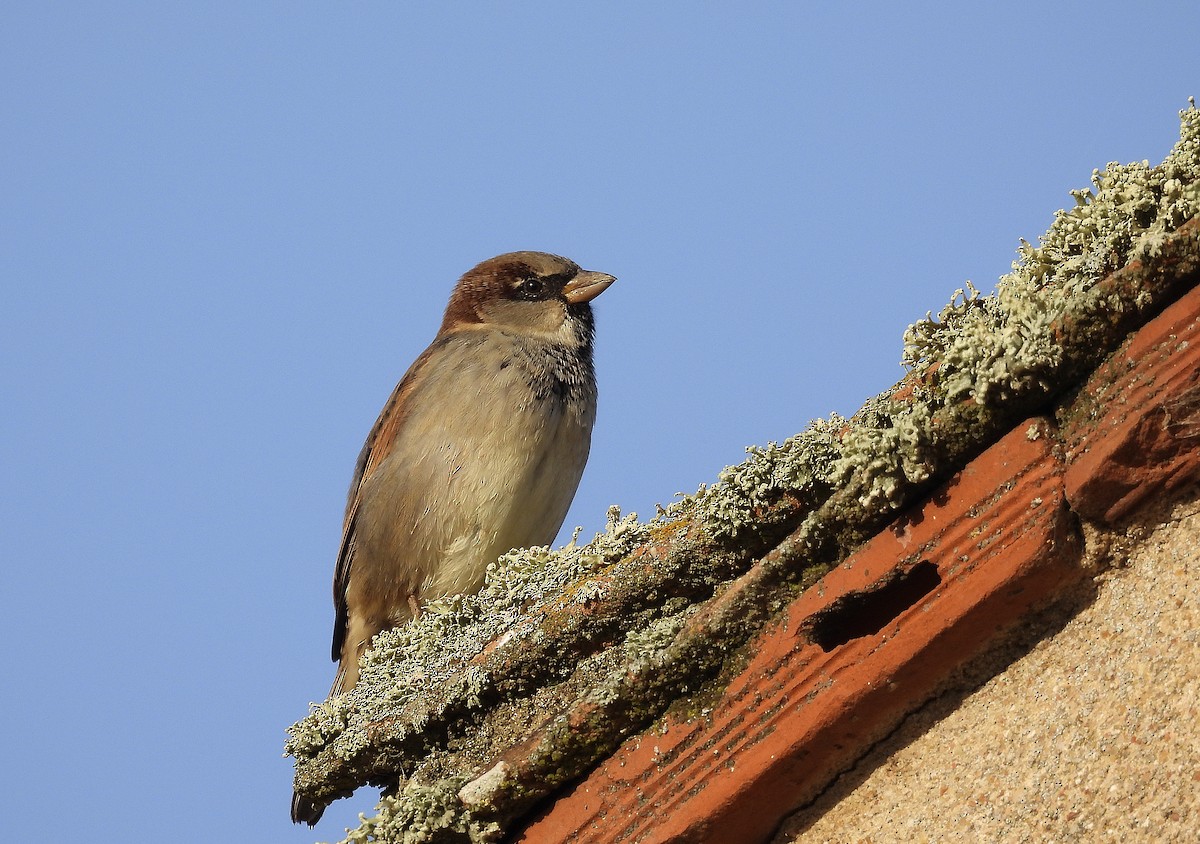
(380, 443)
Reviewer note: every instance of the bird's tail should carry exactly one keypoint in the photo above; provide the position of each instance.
(305, 810)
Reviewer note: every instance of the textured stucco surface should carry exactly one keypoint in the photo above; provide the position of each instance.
(1092, 734)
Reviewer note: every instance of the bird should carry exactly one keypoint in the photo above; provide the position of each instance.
(479, 449)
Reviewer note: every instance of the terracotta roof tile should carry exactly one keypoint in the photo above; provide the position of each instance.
(932, 589)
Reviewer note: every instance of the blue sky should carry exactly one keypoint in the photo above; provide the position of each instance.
(227, 229)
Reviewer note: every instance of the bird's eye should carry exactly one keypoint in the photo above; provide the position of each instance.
(530, 288)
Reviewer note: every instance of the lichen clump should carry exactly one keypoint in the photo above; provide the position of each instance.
(991, 347)
(425, 814)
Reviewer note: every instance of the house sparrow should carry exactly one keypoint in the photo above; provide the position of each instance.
(478, 450)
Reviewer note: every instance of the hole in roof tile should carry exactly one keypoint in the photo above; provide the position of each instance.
(865, 613)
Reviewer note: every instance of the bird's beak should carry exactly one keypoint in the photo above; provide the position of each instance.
(586, 286)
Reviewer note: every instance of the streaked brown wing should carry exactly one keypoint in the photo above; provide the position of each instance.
(375, 450)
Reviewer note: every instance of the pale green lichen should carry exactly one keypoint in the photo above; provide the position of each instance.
(986, 349)
(646, 644)
(422, 813)
(990, 348)
(885, 453)
(801, 465)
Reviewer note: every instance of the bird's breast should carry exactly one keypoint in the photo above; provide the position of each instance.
(489, 460)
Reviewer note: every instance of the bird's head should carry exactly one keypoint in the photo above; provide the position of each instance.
(532, 293)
